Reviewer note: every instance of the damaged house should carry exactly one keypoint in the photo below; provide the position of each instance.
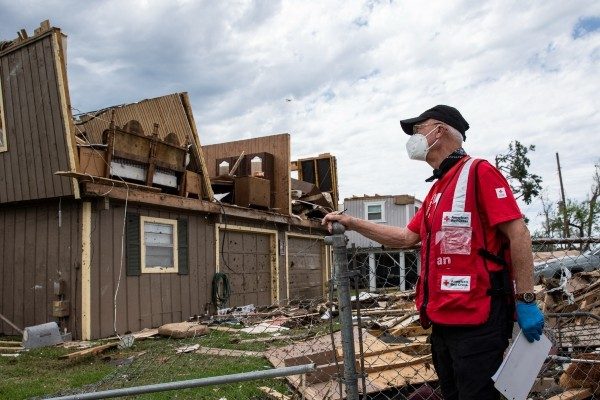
(119, 220)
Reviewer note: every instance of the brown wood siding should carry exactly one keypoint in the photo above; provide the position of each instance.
(35, 129)
(278, 145)
(36, 253)
(166, 111)
(306, 265)
(148, 300)
(172, 113)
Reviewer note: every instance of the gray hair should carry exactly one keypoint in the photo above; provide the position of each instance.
(455, 134)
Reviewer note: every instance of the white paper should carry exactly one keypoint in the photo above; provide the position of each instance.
(520, 367)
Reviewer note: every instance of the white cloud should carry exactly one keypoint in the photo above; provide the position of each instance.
(352, 70)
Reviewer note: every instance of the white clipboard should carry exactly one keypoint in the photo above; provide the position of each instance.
(520, 366)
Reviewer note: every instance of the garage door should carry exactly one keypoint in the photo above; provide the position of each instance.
(246, 259)
(306, 266)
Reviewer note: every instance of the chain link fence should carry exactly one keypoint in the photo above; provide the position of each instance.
(392, 353)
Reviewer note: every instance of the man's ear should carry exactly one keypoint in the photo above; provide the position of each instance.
(442, 129)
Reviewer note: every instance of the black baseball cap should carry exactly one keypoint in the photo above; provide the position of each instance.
(442, 113)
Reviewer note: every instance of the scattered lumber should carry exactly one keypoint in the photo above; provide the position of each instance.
(573, 394)
(228, 352)
(9, 343)
(582, 375)
(386, 365)
(11, 348)
(91, 351)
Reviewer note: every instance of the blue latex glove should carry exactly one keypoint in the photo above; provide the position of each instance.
(530, 319)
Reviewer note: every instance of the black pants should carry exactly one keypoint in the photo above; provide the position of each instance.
(465, 358)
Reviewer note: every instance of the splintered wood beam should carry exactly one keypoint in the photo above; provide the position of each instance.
(237, 164)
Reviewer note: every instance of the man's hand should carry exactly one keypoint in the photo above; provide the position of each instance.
(530, 319)
(337, 216)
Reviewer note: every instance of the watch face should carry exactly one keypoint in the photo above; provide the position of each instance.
(529, 297)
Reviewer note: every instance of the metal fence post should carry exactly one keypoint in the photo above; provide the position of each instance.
(340, 262)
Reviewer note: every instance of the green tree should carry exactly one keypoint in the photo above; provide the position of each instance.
(583, 217)
(515, 166)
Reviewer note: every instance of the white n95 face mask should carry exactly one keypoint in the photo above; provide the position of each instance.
(417, 148)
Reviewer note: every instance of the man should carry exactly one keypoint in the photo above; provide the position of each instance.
(475, 249)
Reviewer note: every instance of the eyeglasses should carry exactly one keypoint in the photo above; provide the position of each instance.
(416, 128)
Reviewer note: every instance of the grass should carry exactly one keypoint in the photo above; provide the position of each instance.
(41, 372)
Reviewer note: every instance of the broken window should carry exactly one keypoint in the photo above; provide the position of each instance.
(375, 212)
(256, 168)
(224, 168)
(159, 245)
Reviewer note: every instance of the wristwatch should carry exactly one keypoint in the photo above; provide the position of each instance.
(527, 297)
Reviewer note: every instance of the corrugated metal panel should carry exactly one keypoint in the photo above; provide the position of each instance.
(35, 254)
(166, 111)
(33, 102)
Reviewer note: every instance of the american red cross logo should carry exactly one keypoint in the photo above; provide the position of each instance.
(446, 218)
(446, 282)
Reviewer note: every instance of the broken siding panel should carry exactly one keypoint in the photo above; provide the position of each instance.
(33, 114)
(166, 111)
(172, 114)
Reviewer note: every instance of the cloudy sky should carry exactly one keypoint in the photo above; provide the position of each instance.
(338, 75)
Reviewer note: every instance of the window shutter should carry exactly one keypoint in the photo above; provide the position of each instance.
(182, 246)
(133, 245)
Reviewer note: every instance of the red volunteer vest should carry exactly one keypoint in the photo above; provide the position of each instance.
(454, 280)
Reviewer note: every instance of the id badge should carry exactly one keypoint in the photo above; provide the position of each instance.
(456, 233)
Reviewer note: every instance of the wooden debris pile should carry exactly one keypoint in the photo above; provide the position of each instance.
(572, 307)
(385, 366)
